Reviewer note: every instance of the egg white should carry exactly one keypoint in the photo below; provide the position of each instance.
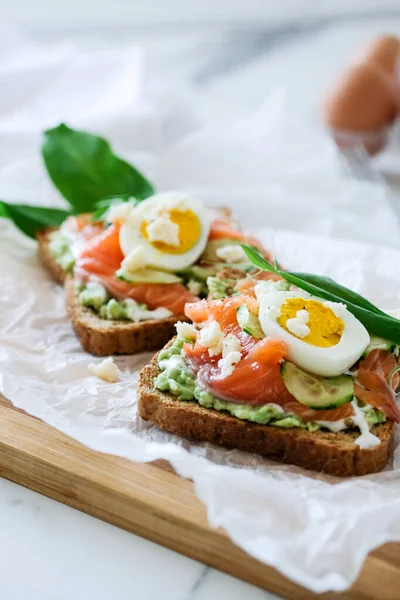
(131, 235)
(327, 362)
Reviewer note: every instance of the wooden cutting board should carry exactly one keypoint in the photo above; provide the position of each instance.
(153, 502)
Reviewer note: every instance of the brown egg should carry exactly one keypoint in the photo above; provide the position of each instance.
(363, 99)
(383, 52)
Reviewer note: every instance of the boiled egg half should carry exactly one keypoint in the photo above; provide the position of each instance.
(170, 229)
(322, 337)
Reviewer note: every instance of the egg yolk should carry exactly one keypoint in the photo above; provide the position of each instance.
(325, 327)
(189, 231)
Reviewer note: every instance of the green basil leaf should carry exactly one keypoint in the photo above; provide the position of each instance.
(375, 321)
(346, 294)
(102, 206)
(257, 260)
(84, 169)
(29, 219)
(3, 210)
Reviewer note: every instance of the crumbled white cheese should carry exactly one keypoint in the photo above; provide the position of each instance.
(135, 312)
(303, 315)
(338, 308)
(228, 363)
(230, 343)
(186, 330)
(163, 230)
(135, 260)
(268, 286)
(106, 370)
(211, 337)
(231, 253)
(194, 287)
(119, 212)
(298, 325)
(231, 355)
(176, 201)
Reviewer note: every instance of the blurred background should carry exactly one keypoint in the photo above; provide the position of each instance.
(44, 15)
(212, 94)
(235, 50)
(230, 55)
(122, 12)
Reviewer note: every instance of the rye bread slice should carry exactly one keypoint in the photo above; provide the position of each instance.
(47, 258)
(332, 453)
(102, 337)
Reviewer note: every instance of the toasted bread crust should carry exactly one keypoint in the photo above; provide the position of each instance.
(332, 453)
(46, 257)
(103, 337)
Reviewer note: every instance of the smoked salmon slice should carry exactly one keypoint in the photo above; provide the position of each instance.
(373, 387)
(223, 229)
(82, 226)
(222, 311)
(100, 260)
(256, 380)
(309, 414)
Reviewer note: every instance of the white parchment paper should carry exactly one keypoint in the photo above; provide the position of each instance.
(312, 530)
(315, 530)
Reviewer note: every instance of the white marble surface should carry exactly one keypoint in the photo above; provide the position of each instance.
(49, 551)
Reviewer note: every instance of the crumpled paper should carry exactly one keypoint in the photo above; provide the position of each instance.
(314, 529)
(314, 532)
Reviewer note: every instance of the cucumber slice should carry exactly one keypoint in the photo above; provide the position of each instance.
(378, 343)
(249, 322)
(317, 392)
(147, 276)
(197, 272)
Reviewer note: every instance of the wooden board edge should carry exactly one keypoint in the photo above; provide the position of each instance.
(153, 503)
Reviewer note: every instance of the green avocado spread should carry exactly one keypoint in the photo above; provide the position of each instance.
(95, 296)
(180, 381)
(61, 250)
